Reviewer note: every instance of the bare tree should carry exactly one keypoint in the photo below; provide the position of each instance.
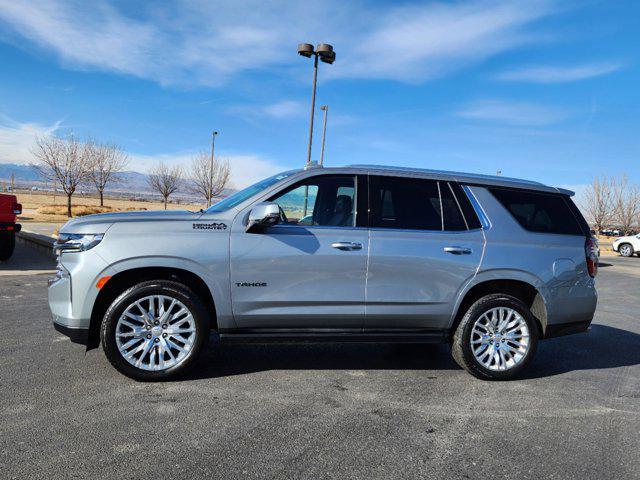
(598, 202)
(107, 163)
(626, 201)
(165, 180)
(64, 161)
(209, 180)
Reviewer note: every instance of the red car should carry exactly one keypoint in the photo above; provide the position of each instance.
(9, 210)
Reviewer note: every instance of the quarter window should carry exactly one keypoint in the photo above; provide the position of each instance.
(541, 212)
(319, 201)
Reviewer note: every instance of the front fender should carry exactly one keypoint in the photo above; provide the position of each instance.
(214, 278)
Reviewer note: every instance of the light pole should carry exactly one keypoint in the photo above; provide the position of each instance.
(325, 52)
(213, 143)
(324, 108)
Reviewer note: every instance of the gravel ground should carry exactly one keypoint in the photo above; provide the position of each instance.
(321, 411)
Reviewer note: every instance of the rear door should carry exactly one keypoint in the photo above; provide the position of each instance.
(423, 249)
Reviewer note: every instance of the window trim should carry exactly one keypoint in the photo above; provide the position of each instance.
(485, 223)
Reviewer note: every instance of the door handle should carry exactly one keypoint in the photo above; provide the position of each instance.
(347, 245)
(458, 250)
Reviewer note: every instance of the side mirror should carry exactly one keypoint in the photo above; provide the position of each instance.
(263, 215)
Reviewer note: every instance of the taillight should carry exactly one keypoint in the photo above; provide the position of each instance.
(591, 251)
(17, 209)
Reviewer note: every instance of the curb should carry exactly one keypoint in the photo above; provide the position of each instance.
(42, 243)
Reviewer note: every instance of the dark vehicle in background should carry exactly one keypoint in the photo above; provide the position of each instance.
(9, 210)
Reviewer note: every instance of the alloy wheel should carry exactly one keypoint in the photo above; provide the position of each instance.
(500, 339)
(155, 333)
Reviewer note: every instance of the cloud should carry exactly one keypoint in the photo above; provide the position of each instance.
(420, 42)
(198, 43)
(512, 113)
(285, 109)
(557, 74)
(281, 110)
(17, 139)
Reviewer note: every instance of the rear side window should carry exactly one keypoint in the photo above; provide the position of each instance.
(540, 212)
(453, 219)
(405, 203)
(468, 211)
(419, 204)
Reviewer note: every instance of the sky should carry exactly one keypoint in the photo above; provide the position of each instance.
(543, 90)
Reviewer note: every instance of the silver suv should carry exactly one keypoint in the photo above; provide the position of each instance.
(362, 253)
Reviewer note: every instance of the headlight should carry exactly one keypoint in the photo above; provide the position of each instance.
(76, 242)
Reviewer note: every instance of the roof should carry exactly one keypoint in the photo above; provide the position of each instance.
(469, 178)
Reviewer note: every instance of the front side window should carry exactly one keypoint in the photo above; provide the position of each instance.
(319, 201)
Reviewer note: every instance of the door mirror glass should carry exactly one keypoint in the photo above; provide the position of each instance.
(263, 215)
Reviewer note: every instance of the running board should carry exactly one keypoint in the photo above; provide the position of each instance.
(317, 335)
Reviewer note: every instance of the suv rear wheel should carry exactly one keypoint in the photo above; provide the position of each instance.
(496, 338)
(154, 330)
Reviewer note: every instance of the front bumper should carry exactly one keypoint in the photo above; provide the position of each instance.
(76, 335)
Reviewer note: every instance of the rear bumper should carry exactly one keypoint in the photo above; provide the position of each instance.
(561, 329)
(10, 227)
(76, 335)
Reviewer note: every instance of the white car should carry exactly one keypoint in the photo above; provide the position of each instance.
(627, 246)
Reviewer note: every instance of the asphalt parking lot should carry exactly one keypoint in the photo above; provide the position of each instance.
(320, 411)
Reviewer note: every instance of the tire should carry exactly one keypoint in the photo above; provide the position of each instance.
(626, 250)
(161, 343)
(466, 333)
(7, 245)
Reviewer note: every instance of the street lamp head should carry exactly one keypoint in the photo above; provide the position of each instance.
(215, 133)
(326, 53)
(324, 107)
(305, 49)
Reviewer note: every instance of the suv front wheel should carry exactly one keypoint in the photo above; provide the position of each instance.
(154, 330)
(496, 338)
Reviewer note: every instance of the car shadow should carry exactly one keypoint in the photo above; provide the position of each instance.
(603, 347)
(228, 360)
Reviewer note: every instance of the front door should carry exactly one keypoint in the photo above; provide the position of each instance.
(423, 249)
(308, 271)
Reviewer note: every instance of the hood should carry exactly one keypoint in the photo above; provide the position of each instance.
(626, 238)
(100, 223)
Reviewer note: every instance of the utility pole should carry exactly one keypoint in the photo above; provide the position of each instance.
(210, 189)
(324, 108)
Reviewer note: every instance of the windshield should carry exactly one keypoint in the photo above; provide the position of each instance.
(239, 197)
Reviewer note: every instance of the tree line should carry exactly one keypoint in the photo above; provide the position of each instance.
(72, 162)
(612, 202)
